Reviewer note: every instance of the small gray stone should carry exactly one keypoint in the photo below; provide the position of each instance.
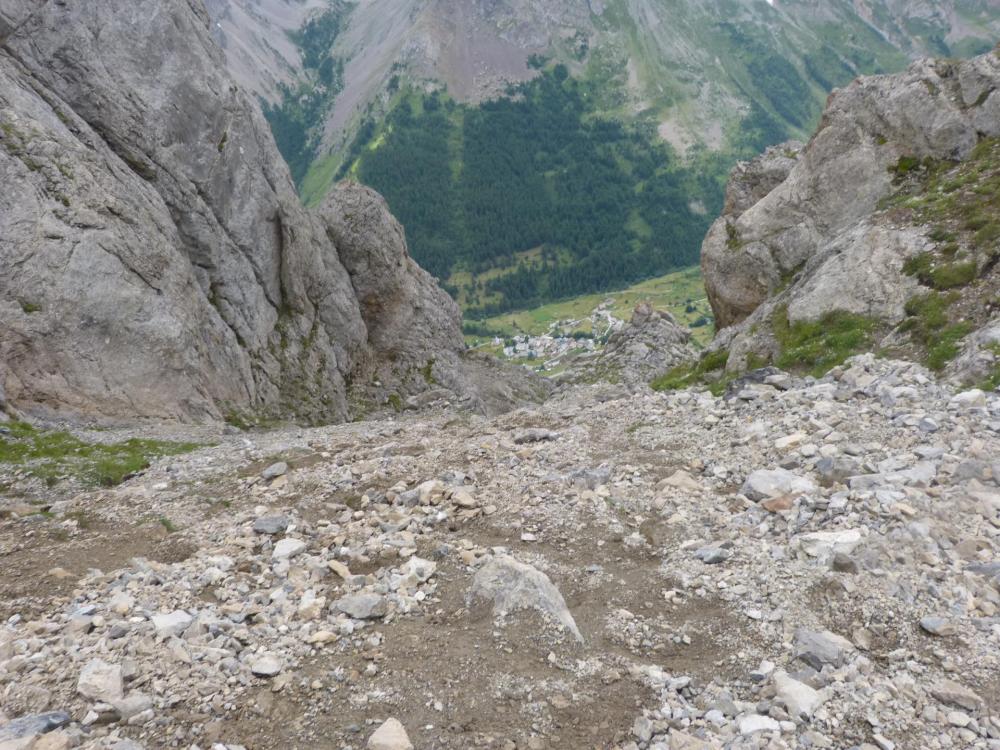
(271, 524)
(286, 549)
(713, 554)
(819, 648)
(362, 606)
(390, 736)
(765, 483)
(513, 585)
(101, 681)
(836, 470)
(266, 665)
(800, 699)
(133, 705)
(844, 564)
(937, 626)
(274, 471)
(756, 723)
(172, 624)
(953, 694)
(642, 728)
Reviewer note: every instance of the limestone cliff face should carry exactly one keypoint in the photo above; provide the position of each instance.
(803, 228)
(154, 258)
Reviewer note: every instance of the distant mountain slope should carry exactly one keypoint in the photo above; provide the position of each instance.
(695, 64)
(597, 182)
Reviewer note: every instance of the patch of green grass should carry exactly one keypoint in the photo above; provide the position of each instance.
(818, 346)
(681, 293)
(395, 402)
(905, 166)
(53, 456)
(237, 420)
(992, 381)
(940, 275)
(695, 373)
(930, 326)
(957, 198)
(169, 525)
(946, 346)
(428, 372)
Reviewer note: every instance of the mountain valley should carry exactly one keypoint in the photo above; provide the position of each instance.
(625, 155)
(263, 488)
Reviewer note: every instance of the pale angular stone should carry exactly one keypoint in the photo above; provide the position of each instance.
(390, 736)
(513, 585)
(101, 681)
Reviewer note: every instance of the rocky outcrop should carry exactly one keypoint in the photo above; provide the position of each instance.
(802, 229)
(154, 258)
(737, 282)
(650, 345)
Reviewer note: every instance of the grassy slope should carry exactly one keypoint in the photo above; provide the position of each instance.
(671, 292)
(54, 456)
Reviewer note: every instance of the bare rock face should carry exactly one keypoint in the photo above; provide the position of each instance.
(405, 311)
(155, 261)
(801, 227)
(737, 282)
(650, 345)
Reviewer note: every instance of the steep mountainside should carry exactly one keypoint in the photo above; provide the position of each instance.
(697, 65)
(154, 258)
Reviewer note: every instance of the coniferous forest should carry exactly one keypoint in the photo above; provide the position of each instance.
(601, 203)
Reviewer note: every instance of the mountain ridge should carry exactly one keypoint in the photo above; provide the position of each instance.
(156, 261)
(682, 61)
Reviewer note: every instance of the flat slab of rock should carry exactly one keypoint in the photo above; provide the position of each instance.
(765, 483)
(266, 665)
(829, 543)
(27, 726)
(514, 585)
(271, 525)
(953, 694)
(390, 736)
(800, 699)
(133, 705)
(938, 626)
(172, 624)
(286, 549)
(817, 648)
(101, 681)
(756, 723)
(683, 481)
(362, 606)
